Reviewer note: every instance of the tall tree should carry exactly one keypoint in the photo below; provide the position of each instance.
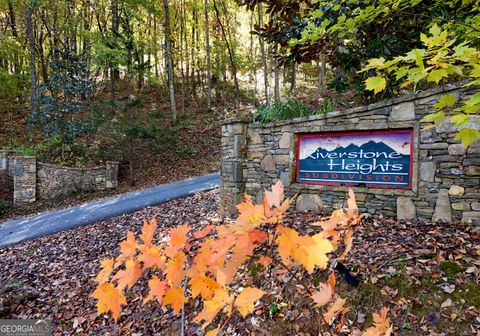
(207, 47)
(169, 59)
(31, 43)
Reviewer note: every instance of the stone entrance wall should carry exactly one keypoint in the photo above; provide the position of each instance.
(34, 180)
(446, 176)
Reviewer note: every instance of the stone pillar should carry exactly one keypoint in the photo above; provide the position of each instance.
(233, 158)
(24, 169)
(111, 181)
(5, 157)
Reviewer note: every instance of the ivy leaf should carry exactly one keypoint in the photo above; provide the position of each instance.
(467, 136)
(245, 301)
(109, 299)
(446, 101)
(375, 84)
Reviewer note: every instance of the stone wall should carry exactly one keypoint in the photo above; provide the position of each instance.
(446, 176)
(6, 178)
(54, 180)
(36, 180)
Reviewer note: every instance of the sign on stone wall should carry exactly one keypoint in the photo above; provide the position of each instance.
(378, 159)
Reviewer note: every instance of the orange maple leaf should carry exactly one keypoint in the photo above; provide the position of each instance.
(212, 332)
(265, 261)
(128, 276)
(276, 196)
(178, 238)
(381, 325)
(348, 241)
(157, 289)
(324, 295)
(174, 270)
(109, 299)
(204, 232)
(107, 268)
(174, 297)
(335, 309)
(148, 231)
(152, 258)
(225, 275)
(203, 285)
(352, 204)
(308, 251)
(212, 307)
(245, 301)
(128, 247)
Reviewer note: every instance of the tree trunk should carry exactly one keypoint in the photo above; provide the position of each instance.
(207, 43)
(169, 61)
(321, 76)
(293, 79)
(230, 54)
(263, 55)
(276, 96)
(31, 43)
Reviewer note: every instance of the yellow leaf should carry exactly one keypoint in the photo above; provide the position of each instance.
(128, 276)
(203, 285)
(107, 267)
(174, 297)
(213, 332)
(175, 269)
(157, 289)
(245, 301)
(381, 324)
(336, 309)
(109, 299)
(446, 101)
(375, 84)
(128, 247)
(324, 295)
(148, 231)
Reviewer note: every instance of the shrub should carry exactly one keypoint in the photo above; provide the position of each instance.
(186, 265)
(289, 109)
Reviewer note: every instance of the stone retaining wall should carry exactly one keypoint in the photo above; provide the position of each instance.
(36, 180)
(446, 176)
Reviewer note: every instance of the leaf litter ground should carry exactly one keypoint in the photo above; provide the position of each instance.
(426, 274)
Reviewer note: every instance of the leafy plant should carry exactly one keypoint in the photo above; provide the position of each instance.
(282, 110)
(63, 97)
(442, 58)
(203, 264)
(4, 207)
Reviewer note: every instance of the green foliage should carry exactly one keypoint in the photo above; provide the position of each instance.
(289, 109)
(443, 57)
(25, 150)
(9, 85)
(4, 207)
(63, 97)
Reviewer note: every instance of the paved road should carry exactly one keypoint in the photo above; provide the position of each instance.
(16, 231)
